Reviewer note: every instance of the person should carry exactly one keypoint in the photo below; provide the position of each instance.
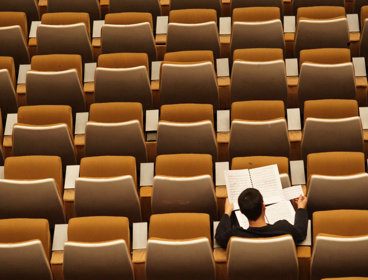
(251, 205)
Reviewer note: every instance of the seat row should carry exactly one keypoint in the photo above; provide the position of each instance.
(25, 246)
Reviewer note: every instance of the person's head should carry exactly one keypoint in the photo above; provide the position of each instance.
(251, 203)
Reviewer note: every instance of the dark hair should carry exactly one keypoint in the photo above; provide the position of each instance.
(251, 203)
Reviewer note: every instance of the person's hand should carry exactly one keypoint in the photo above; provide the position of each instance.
(301, 201)
(229, 207)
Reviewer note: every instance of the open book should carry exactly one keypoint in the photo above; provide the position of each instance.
(265, 179)
(279, 211)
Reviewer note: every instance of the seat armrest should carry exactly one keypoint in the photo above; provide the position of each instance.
(146, 174)
(139, 236)
(293, 118)
(155, 70)
(89, 72)
(221, 167)
(353, 22)
(363, 113)
(359, 67)
(71, 174)
(81, 120)
(291, 67)
(60, 237)
(97, 25)
(215, 244)
(222, 66)
(225, 25)
(162, 25)
(223, 120)
(152, 117)
(289, 24)
(33, 29)
(297, 172)
(11, 120)
(22, 73)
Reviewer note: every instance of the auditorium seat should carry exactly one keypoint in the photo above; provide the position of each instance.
(123, 77)
(92, 7)
(60, 74)
(364, 32)
(260, 161)
(189, 83)
(325, 56)
(321, 27)
(98, 247)
(181, 136)
(8, 101)
(107, 186)
(65, 33)
(186, 239)
(13, 37)
(193, 36)
(332, 135)
(32, 188)
(29, 7)
(262, 29)
(246, 258)
(128, 32)
(252, 3)
(50, 126)
(25, 249)
(257, 110)
(116, 129)
(258, 81)
(330, 109)
(189, 56)
(343, 192)
(258, 54)
(340, 245)
(259, 138)
(193, 4)
(192, 16)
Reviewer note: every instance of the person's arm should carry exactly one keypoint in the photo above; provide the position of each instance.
(224, 228)
(300, 227)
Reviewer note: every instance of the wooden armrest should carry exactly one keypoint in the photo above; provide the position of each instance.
(304, 257)
(295, 136)
(21, 89)
(219, 255)
(69, 195)
(292, 81)
(96, 42)
(361, 82)
(161, 39)
(223, 137)
(221, 192)
(354, 36)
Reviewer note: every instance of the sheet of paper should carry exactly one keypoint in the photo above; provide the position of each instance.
(236, 181)
(293, 192)
(267, 180)
(242, 220)
(280, 211)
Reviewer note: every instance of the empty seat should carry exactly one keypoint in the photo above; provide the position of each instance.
(364, 33)
(330, 108)
(325, 56)
(250, 14)
(325, 33)
(332, 135)
(189, 194)
(8, 102)
(66, 33)
(92, 7)
(107, 186)
(116, 129)
(258, 54)
(25, 249)
(102, 244)
(258, 81)
(255, 3)
(257, 138)
(197, 36)
(29, 7)
(14, 36)
(246, 258)
(128, 32)
(192, 15)
(183, 113)
(263, 34)
(188, 83)
(123, 77)
(50, 126)
(32, 188)
(256, 110)
(192, 4)
(59, 74)
(326, 81)
(343, 192)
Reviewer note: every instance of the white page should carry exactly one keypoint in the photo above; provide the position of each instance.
(242, 220)
(280, 211)
(267, 180)
(236, 182)
(293, 192)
